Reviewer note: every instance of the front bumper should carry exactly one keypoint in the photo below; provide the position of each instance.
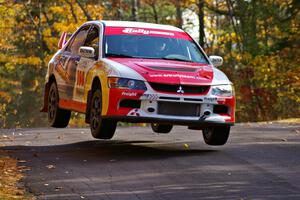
(193, 124)
(146, 108)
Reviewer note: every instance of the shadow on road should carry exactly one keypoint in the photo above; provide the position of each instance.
(96, 151)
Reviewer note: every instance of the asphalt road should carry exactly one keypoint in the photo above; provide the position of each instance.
(260, 161)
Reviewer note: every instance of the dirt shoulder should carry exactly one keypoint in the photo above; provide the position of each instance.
(10, 175)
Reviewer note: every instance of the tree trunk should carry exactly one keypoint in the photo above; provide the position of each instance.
(201, 22)
(116, 9)
(179, 20)
(134, 10)
(84, 10)
(154, 12)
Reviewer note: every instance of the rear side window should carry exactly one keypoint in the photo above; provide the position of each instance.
(78, 40)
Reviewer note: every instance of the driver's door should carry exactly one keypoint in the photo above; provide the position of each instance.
(85, 64)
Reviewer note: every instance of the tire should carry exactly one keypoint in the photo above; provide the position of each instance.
(57, 117)
(100, 128)
(161, 128)
(216, 135)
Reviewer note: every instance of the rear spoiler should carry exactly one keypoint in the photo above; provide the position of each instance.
(62, 40)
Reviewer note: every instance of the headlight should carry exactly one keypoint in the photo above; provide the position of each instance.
(222, 90)
(126, 83)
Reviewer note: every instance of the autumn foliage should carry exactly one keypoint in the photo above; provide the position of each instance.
(259, 40)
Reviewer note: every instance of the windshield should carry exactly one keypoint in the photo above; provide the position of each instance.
(153, 47)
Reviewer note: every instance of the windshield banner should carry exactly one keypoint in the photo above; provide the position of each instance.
(146, 32)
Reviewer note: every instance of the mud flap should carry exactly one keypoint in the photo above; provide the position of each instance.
(88, 105)
(46, 91)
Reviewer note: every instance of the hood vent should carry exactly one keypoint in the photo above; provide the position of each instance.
(178, 69)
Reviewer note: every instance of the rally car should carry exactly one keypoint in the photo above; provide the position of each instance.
(138, 72)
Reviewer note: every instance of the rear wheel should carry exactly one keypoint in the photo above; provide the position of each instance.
(161, 128)
(100, 128)
(57, 117)
(216, 135)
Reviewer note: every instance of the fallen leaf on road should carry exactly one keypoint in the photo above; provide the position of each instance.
(58, 189)
(295, 131)
(186, 146)
(23, 168)
(50, 166)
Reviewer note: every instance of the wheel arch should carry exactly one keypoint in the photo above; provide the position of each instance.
(96, 84)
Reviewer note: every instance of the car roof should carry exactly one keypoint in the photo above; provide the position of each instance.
(134, 24)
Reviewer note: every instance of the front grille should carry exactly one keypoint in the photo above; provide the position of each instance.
(178, 109)
(187, 89)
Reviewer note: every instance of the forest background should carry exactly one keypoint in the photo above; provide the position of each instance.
(258, 39)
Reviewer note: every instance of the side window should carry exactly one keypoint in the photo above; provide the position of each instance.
(92, 40)
(78, 40)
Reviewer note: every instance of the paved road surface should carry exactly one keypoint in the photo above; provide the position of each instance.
(259, 162)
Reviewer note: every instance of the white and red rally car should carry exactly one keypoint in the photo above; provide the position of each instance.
(138, 72)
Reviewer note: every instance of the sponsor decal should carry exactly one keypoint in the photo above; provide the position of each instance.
(151, 97)
(61, 71)
(129, 94)
(80, 78)
(146, 32)
(134, 112)
(210, 99)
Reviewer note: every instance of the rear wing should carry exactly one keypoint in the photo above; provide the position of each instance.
(63, 39)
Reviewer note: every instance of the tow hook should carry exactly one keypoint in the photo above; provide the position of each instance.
(205, 115)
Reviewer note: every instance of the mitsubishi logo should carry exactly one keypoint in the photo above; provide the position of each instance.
(180, 90)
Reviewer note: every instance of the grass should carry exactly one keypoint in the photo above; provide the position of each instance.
(290, 121)
(10, 175)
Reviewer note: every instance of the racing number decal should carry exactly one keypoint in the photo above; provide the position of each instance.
(80, 78)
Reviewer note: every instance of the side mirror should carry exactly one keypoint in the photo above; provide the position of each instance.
(216, 60)
(62, 40)
(87, 52)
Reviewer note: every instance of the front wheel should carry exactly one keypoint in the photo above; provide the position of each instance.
(57, 117)
(216, 135)
(100, 128)
(161, 128)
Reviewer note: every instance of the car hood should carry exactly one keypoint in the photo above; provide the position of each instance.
(168, 71)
